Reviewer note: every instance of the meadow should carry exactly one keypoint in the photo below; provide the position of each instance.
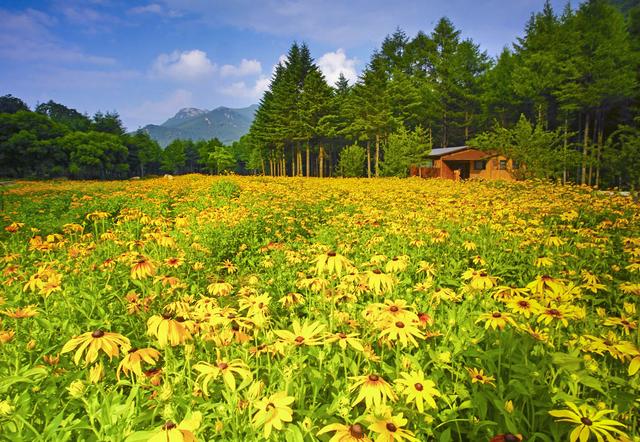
(302, 309)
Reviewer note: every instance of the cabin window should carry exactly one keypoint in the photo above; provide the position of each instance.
(503, 165)
(479, 164)
(427, 163)
(516, 164)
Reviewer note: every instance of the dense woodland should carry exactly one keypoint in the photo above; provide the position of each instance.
(563, 100)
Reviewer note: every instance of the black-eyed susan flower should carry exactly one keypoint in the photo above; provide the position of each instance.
(305, 334)
(142, 268)
(589, 421)
(110, 343)
(390, 428)
(523, 306)
(379, 282)
(344, 339)
(272, 412)
(332, 263)
(404, 332)
(478, 376)
(220, 287)
(182, 432)
(168, 330)
(132, 361)
(373, 390)
(227, 369)
(496, 320)
(418, 390)
(28, 311)
(397, 264)
(345, 433)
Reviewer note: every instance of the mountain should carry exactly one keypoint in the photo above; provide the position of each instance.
(224, 123)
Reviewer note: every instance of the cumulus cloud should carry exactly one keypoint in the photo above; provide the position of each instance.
(332, 64)
(245, 68)
(241, 89)
(157, 110)
(186, 65)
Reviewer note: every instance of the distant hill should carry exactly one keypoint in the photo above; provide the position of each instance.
(224, 123)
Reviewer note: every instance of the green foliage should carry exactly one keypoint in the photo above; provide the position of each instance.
(539, 152)
(622, 156)
(10, 104)
(225, 189)
(173, 157)
(109, 123)
(351, 164)
(403, 149)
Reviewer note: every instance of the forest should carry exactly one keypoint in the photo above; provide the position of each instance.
(562, 99)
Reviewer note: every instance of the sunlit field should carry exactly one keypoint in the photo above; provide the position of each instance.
(240, 309)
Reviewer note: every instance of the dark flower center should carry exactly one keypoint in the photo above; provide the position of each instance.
(394, 308)
(479, 377)
(132, 350)
(299, 340)
(167, 315)
(377, 271)
(418, 386)
(97, 334)
(223, 365)
(356, 431)
(395, 258)
(391, 427)
(400, 324)
(270, 406)
(374, 377)
(180, 319)
(169, 425)
(342, 335)
(510, 438)
(483, 274)
(331, 254)
(586, 421)
(523, 304)
(624, 322)
(553, 312)
(497, 315)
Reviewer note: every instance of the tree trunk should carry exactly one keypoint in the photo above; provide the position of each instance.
(593, 143)
(466, 126)
(585, 147)
(321, 161)
(599, 153)
(564, 150)
(308, 161)
(368, 159)
(377, 165)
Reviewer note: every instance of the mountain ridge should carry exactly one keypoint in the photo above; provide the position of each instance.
(225, 123)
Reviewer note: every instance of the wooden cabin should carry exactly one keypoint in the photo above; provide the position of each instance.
(465, 162)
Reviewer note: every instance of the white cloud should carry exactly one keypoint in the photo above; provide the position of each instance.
(152, 8)
(186, 65)
(245, 68)
(332, 64)
(240, 89)
(157, 110)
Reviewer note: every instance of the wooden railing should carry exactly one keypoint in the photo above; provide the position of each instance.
(424, 172)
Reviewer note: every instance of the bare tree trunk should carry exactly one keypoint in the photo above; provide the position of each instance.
(294, 159)
(564, 150)
(321, 161)
(368, 159)
(308, 161)
(599, 153)
(595, 131)
(466, 126)
(585, 147)
(377, 165)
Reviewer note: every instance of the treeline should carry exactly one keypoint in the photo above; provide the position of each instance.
(573, 74)
(57, 141)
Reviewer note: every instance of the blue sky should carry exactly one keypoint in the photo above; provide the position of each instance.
(147, 59)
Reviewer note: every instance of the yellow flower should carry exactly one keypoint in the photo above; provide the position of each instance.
(589, 421)
(219, 288)
(305, 334)
(389, 429)
(209, 372)
(76, 389)
(96, 373)
(93, 342)
(543, 261)
(374, 390)
(480, 279)
(332, 263)
(345, 433)
(23, 312)
(496, 320)
(397, 264)
(522, 305)
(273, 411)
(405, 332)
(132, 362)
(480, 377)
(379, 282)
(168, 330)
(418, 389)
(182, 432)
(142, 268)
(343, 339)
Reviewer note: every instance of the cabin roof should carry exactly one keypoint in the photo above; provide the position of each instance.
(441, 151)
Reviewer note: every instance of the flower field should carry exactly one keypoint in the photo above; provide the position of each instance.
(292, 309)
